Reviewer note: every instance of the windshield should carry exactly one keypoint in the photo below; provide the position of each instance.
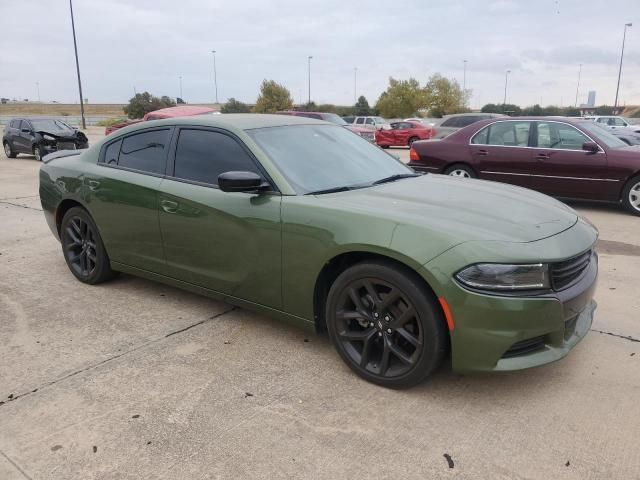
(603, 134)
(49, 125)
(333, 118)
(321, 157)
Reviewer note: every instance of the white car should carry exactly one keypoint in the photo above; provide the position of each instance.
(614, 122)
(372, 123)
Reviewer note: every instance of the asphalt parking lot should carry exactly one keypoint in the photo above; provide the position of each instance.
(133, 379)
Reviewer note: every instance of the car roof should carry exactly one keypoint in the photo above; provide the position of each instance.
(232, 121)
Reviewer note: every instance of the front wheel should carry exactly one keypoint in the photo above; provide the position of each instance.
(631, 195)
(37, 152)
(461, 171)
(83, 249)
(413, 139)
(385, 324)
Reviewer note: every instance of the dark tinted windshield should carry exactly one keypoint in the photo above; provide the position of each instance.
(49, 125)
(603, 134)
(322, 157)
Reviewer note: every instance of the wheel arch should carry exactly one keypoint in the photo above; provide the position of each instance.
(63, 207)
(462, 164)
(339, 263)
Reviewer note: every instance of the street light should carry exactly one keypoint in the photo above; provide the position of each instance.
(215, 75)
(624, 36)
(355, 84)
(75, 48)
(464, 84)
(180, 77)
(506, 79)
(38, 87)
(578, 86)
(309, 74)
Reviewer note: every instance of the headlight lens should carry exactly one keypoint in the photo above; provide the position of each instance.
(501, 277)
(48, 138)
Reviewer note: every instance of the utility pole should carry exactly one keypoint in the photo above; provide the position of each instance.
(578, 87)
(215, 75)
(624, 36)
(464, 84)
(355, 85)
(506, 79)
(309, 76)
(75, 48)
(38, 87)
(180, 77)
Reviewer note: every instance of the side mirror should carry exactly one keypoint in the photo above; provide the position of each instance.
(26, 130)
(591, 147)
(241, 182)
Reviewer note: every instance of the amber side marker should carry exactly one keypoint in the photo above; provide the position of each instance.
(447, 313)
(413, 155)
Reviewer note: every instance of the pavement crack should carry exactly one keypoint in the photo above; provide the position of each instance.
(21, 206)
(14, 397)
(15, 465)
(624, 337)
(19, 198)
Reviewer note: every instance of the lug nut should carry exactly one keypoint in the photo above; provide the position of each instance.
(375, 314)
(388, 330)
(371, 324)
(386, 318)
(379, 334)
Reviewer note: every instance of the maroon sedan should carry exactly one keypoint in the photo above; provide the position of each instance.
(404, 133)
(557, 156)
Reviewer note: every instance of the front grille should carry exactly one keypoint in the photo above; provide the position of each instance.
(66, 146)
(565, 273)
(525, 347)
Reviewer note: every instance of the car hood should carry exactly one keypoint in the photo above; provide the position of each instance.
(66, 134)
(462, 209)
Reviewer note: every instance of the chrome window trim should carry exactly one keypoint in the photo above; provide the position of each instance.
(600, 149)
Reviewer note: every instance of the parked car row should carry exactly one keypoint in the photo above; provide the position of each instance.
(365, 133)
(558, 156)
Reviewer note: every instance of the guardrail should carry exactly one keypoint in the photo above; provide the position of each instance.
(73, 120)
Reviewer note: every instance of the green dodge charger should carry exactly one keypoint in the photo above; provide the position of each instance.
(305, 221)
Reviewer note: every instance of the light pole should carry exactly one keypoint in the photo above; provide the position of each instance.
(464, 84)
(215, 75)
(624, 36)
(355, 85)
(180, 77)
(578, 86)
(38, 87)
(75, 48)
(506, 79)
(309, 75)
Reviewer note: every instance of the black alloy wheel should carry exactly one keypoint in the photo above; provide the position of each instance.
(83, 249)
(385, 325)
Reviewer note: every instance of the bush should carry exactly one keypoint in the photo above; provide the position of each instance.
(107, 122)
(235, 106)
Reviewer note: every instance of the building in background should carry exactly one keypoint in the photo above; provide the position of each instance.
(591, 99)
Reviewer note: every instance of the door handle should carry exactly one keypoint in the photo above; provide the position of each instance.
(169, 206)
(542, 156)
(483, 153)
(93, 185)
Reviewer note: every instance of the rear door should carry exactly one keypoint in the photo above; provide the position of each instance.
(122, 194)
(223, 241)
(562, 168)
(501, 152)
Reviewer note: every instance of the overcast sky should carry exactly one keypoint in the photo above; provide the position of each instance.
(148, 44)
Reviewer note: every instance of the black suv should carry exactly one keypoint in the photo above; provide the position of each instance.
(40, 136)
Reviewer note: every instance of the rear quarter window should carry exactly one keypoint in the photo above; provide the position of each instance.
(145, 151)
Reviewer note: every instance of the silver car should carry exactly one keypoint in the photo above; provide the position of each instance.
(452, 123)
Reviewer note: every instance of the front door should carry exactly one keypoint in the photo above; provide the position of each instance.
(121, 192)
(500, 152)
(223, 241)
(563, 169)
(24, 137)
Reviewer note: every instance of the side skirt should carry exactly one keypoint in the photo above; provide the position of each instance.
(256, 307)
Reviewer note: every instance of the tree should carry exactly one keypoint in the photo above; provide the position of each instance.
(273, 97)
(144, 103)
(235, 106)
(402, 98)
(362, 107)
(507, 108)
(491, 108)
(444, 96)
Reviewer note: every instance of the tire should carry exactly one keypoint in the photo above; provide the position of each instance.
(83, 249)
(631, 195)
(460, 170)
(404, 322)
(37, 152)
(8, 150)
(384, 146)
(413, 139)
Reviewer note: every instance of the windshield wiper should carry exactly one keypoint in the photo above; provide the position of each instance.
(393, 178)
(331, 190)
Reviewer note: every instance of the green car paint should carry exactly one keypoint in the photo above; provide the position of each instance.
(269, 251)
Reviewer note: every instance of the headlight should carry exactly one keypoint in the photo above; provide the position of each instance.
(48, 138)
(501, 277)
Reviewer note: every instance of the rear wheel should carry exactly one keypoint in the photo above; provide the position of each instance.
(631, 195)
(83, 249)
(413, 139)
(385, 324)
(460, 170)
(37, 152)
(8, 151)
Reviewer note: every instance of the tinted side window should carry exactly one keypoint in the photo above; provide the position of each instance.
(369, 121)
(111, 153)
(466, 121)
(481, 137)
(449, 122)
(25, 124)
(359, 120)
(203, 155)
(145, 151)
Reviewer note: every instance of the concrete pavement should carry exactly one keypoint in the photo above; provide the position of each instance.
(133, 379)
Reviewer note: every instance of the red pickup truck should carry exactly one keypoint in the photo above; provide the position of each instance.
(170, 112)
